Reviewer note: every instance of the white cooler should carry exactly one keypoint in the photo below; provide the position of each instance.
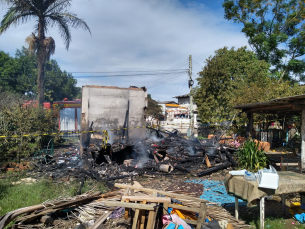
(268, 178)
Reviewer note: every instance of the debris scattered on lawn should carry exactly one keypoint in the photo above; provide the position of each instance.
(93, 209)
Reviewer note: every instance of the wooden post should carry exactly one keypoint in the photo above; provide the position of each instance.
(303, 140)
(165, 212)
(262, 212)
(250, 124)
(152, 216)
(202, 215)
(140, 217)
(126, 210)
(236, 208)
(143, 217)
(135, 218)
(283, 204)
(155, 194)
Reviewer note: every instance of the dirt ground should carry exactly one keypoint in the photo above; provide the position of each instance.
(273, 208)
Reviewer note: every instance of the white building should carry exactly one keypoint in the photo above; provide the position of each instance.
(185, 101)
(177, 115)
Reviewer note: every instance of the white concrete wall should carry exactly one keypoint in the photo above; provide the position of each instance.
(106, 107)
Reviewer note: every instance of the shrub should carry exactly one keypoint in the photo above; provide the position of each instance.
(16, 119)
(249, 157)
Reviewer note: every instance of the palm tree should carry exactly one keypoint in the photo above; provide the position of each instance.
(47, 13)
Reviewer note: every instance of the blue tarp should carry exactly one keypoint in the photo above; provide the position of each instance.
(215, 191)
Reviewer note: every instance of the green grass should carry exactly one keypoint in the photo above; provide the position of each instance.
(22, 195)
(276, 223)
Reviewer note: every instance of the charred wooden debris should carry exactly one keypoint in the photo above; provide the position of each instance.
(161, 153)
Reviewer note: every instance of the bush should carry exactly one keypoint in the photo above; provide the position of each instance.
(249, 157)
(16, 120)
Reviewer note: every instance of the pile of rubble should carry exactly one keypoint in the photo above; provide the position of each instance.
(134, 206)
(166, 154)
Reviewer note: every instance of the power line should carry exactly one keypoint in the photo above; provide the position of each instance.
(151, 71)
(109, 76)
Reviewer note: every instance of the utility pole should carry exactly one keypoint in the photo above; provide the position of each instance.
(191, 82)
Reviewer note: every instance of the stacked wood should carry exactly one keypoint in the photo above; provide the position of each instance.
(193, 204)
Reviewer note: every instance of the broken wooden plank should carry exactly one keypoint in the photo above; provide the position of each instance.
(287, 164)
(148, 199)
(101, 220)
(184, 208)
(192, 222)
(60, 206)
(207, 161)
(148, 207)
(172, 195)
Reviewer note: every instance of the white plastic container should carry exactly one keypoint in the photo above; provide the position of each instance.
(249, 176)
(237, 172)
(268, 178)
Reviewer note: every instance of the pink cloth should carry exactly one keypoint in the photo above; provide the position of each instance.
(175, 219)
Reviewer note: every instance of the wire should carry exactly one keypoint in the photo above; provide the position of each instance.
(198, 64)
(128, 71)
(159, 80)
(107, 76)
(164, 82)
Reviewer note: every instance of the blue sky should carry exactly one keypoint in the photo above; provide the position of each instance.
(139, 35)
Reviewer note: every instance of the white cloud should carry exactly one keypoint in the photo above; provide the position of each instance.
(137, 35)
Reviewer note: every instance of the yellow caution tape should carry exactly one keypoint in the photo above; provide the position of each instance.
(94, 131)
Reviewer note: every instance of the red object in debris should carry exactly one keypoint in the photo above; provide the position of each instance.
(272, 124)
(155, 151)
(154, 145)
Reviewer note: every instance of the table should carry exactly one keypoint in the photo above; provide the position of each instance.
(289, 182)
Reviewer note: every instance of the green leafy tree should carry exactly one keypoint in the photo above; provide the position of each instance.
(19, 76)
(223, 73)
(234, 77)
(153, 109)
(47, 13)
(59, 84)
(275, 31)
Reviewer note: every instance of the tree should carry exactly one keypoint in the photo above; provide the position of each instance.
(234, 77)
(19, 74)
(153, 109)
(48, 13)
(59, 84)
(275, 31)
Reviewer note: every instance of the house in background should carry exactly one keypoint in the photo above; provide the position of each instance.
(70, 114)
(184, 100)
(177, 115)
